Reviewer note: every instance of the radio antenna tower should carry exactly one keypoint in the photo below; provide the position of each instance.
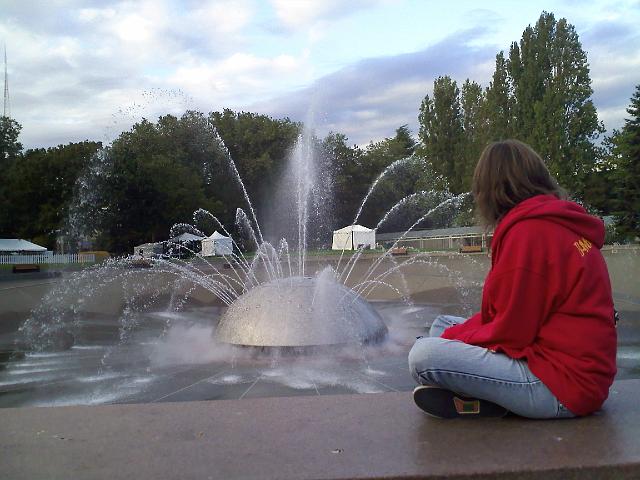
(7, 107)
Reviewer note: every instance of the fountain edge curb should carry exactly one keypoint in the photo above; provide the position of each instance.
(327, 437)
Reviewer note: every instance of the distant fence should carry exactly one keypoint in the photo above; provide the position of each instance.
(449, 242)
(59, 258)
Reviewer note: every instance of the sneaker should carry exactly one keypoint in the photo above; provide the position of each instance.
(441, 403)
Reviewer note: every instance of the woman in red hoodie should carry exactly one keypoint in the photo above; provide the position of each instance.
(544, 343)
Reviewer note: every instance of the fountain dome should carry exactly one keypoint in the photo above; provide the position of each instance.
(300, 312)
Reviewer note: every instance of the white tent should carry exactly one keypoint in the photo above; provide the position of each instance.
(17, 245)
(217, 244)
(353, 237)
(184, 245)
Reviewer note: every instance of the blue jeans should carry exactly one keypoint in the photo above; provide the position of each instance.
(480, 373)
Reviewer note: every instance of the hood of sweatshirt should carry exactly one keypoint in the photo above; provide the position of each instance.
(549, 208)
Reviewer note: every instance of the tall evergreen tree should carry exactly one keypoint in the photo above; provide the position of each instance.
(498, 107)
(403, 144)
(441, 131)
(626, 149)
(552, 92)
(473, 123)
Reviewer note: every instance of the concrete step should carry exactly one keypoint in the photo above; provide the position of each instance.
(332, 437)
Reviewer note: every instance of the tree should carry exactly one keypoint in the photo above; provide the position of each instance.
(626, 152)
(407, 190)
(552, 100)
(355, 170)
(474, 126)
(498, 107)
(403, 144)
(397, 183)
(159, 174)
(10, 148)
(350, 178)
(39, 189)
(441, 132)
(259, 146)
(380, 155)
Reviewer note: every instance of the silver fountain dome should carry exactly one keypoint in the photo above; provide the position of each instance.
(300, 312)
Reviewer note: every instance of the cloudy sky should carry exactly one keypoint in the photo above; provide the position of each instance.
(89, 69)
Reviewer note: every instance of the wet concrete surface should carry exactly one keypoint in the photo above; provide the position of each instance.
(171, 356)
(168, 403)
(187, 364)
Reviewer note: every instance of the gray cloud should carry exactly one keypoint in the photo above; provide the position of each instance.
(616, 93)
(51, 17)
(293, 15)
(612, 35)
(64, 92)
(358, 100)
(612, 47)
(370, 99)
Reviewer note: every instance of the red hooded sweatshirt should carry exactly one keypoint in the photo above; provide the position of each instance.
(547, 299)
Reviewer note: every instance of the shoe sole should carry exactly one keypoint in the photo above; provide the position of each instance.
(442, 403)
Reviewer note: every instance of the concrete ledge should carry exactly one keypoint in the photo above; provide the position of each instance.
(332, 437)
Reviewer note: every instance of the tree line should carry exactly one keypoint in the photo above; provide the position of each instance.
(158, 173)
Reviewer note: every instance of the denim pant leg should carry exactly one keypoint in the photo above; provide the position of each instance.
(442, 322)
(480, 373)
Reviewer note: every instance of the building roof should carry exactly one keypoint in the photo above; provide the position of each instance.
(148, 245)
(19, 245)
(436, 233)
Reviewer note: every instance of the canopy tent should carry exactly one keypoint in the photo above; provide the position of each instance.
(186, 237)
(149, 249)
(353, 237)
(217, 244)
(184, 245)
(17, 245)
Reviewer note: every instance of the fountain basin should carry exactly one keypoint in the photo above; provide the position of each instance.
(300, 312)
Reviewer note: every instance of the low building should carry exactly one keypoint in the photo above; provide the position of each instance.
(18, 246)
(149, 250)
(439, 239)
(182, 246)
